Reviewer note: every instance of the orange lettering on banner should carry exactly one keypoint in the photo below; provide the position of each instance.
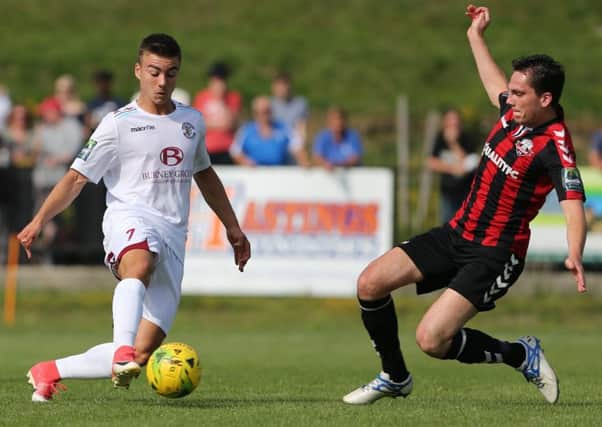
(216, 236)
(311, 218)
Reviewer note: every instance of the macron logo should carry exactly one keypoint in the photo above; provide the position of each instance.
(142, 128)
(499, 162)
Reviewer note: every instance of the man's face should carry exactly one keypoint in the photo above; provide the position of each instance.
(157, 77)
(281, 88)
(262, 110)
(527, 106)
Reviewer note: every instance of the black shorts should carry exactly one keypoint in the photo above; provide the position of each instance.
(481, 274)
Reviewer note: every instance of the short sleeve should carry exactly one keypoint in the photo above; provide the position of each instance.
(236, 149)
(559, 161)
(356, 143)
(201, 156)
(99, 153)
(319, 143)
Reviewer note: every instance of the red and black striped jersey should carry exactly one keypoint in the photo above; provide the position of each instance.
(519, 166)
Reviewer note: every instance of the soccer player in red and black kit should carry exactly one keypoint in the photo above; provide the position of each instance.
(480, 253)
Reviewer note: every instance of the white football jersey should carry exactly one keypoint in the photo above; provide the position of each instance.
(147, 162)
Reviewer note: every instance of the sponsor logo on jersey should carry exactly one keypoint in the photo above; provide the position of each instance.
(571, 179)
(499, 161)
(171, 156)
(142, 128)
(88, 147)
(524, 147)
(188, 130)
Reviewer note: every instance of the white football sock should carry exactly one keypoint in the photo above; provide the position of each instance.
(127, 311)
(94, 363)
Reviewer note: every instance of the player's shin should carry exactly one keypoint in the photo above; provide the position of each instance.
(380, 320)
(473, 346)
(127, 311)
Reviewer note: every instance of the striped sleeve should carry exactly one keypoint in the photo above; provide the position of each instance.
(560, 163)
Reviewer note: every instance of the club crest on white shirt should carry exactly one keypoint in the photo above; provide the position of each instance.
(524, 147)
(188, 130)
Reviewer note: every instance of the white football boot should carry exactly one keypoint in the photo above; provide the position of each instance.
(125, 368)
(378, 388)
(537, 370)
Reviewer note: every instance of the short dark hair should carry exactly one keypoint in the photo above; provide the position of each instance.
(544, 73)
(282, 76)
(103, 76)
(219, 69)
(160, 44)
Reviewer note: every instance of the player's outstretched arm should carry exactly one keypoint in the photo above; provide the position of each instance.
(492, 77)
(61, 196)
(575, 232)
(214, 194)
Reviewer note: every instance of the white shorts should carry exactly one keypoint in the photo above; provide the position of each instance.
(124, 233)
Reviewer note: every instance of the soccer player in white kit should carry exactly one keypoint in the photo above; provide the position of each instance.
(147, 152)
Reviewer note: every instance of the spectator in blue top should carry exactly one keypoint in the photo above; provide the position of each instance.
(338, 145)
(595, 152)
(264, 141)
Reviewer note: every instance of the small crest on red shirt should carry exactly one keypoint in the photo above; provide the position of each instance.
(524, 147)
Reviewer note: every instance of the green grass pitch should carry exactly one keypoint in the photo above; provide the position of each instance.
(289, 361)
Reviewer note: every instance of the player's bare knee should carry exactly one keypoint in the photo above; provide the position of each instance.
(141, 268)
(367, 285)
(430, 342)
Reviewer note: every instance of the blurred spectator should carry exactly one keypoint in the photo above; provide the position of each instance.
(221, 108)
(265, 141)
(287, 108)
(18, 137)
(337, 145)
(5, 106)
(65, 91)
(454, 158)
(57, 139)
(595, 152)
(104, 101)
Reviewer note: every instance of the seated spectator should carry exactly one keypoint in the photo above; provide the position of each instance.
(57, 139)
(287, 108)
(337, 145)
(18, 137)
(104, 101)
(454, 158)
(595, 152)
(264, 141)
(221, 108)
(65, 91)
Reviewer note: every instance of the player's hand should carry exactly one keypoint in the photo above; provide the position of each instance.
(480, 17)
(241, 246)
(575, 267)
(28, 235)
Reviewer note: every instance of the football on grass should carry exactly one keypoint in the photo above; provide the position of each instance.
(174, 370)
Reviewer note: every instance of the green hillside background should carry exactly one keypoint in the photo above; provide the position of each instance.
(357, 53)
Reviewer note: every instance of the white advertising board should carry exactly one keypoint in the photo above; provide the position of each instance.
(311, 231)
(548, 229)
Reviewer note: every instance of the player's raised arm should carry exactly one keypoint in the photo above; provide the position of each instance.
(493, 78)
(61, 196)
(214, 194)
(575, 233)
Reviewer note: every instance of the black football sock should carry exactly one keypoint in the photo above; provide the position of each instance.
(472, 346)
(381, 322)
